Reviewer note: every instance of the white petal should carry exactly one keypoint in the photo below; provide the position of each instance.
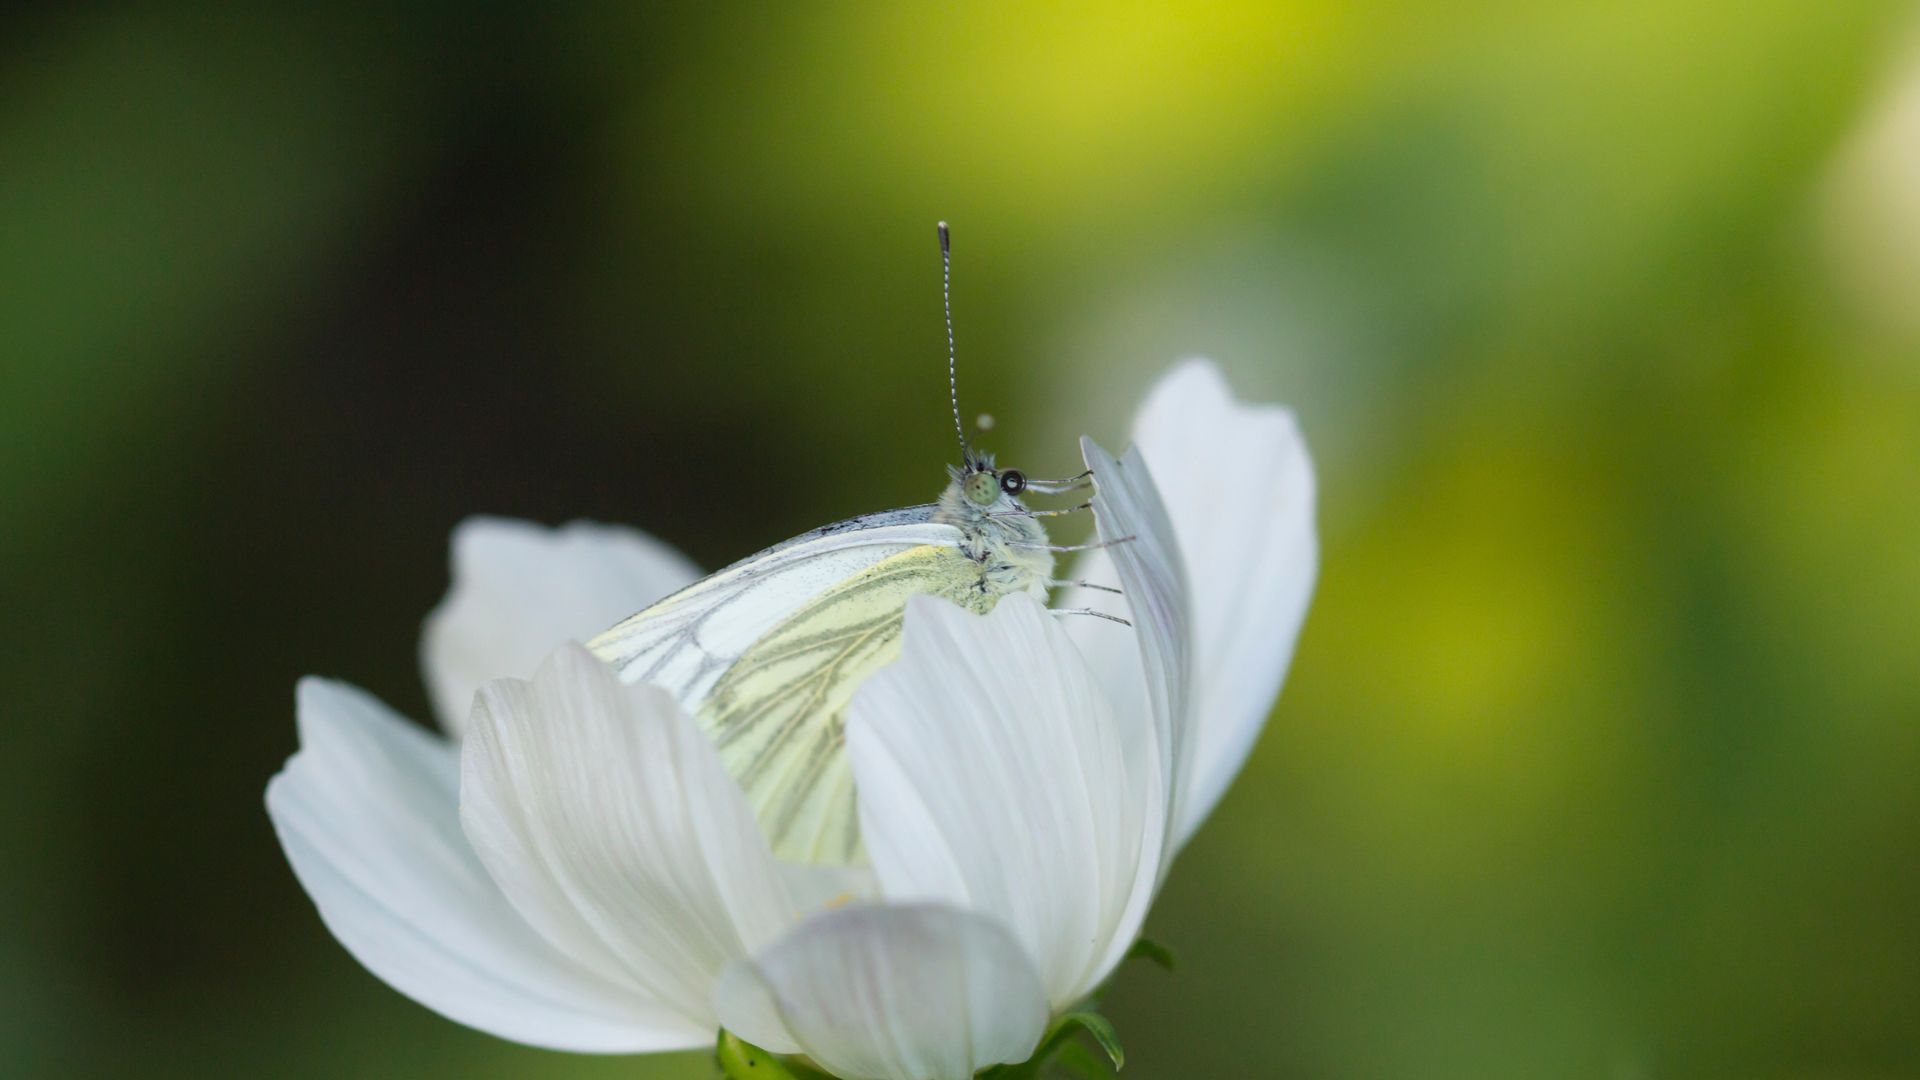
(368, 816)
(813, 886)
(1238, 491)
(520, 590)
(1129, 516)
(1239, 488)
(608, 820)
(994, 775)
(916, 992)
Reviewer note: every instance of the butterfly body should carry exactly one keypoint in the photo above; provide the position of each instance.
(1009, 544)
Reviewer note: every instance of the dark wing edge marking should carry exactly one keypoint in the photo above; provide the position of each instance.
(879, 519)
(679, 630)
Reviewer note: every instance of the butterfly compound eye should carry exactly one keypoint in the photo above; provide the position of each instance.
(982, 489)
(1013, 481)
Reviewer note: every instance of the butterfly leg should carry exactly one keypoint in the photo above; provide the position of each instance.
(1075, 547)
(1057, 584)
(1092, 612)
(1060, 487)
(1043, 513)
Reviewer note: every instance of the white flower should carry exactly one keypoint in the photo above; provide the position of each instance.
(581, 873)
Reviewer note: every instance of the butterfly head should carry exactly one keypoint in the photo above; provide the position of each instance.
(985, 488)
(982, 484)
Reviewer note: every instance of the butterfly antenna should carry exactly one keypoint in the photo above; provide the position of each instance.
(953, 378)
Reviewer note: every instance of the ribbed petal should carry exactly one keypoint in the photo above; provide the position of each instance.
(608, 820)
(1239, 489)
(1238, 493)
(520, 590)
(367, 812)
(914, 992)
(995, 775)
(1129, 516)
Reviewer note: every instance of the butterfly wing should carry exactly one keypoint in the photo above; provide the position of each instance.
(686, 640)
(767, 652)
(778, 714)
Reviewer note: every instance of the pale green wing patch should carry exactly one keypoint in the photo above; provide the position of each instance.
(778, 713)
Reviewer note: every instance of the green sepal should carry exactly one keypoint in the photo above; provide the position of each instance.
(1075, 1059)
(1060, 1049)
(1145, 948)
(741, 1060)
(1095, 1025)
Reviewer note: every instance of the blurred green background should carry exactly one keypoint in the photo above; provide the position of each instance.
(1601, 753)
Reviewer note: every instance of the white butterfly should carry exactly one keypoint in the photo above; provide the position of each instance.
(767, 653)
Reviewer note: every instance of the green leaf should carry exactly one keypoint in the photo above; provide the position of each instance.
(741, 1060)
(1145, 948)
